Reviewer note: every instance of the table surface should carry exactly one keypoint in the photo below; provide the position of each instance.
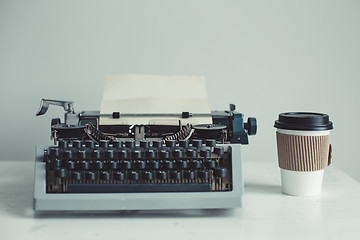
(267, 213)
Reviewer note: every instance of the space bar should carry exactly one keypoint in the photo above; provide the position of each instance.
(138, 187)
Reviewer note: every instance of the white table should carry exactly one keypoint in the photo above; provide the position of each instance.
(267, 213)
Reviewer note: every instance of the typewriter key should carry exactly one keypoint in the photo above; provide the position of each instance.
(76, 176)
(134, 176)
(220, 172)
(168, 164)
(77, 144)
(104, 143)
(175, 174)
(157, 144)
(184, 143)
(205, 153)
(60, 172)
(113, 165)
(161, 175)
(170, 143)
(63, 144)
(91, 176)
(219, 150)
(189, 174)
(119, 176)
(144, 144)
(89, 144)
(197, 143)
(203, 174)
(154, 164)
(117, 144)
(210, 142)
(105, 176)
(147, 175)
(130, 144)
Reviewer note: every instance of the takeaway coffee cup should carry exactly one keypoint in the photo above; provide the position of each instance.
(304, 151)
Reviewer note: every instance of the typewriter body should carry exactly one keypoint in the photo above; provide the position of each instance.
(140, 166)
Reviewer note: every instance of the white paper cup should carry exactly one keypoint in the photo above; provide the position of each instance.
(301, 183)
(303, 152)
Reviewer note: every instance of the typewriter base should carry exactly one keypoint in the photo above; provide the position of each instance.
(137, 201)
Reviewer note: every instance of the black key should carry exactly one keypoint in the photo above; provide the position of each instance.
(150, 153)
(189, 174)
(76, 176)
(134, 176)
(125, 164)
(168, 164)
(54, 152)
(89, 144)
(56, 163)
(203, 174)
(124, 153)
(77, 144)
(136, 154)
(140, 164)
(164, 154)
(157, 144)
(182, 164)
(161, 175)
(96, 154)
(184, 143)
(113, 165)
(63, 144)
(104, 143)
(154, 164)
(99, 165)
(110, 154)
(70, 165)
(130, 144)
(210, 142)
(117, 144)
(90, 176)
(119, 176)
(209, 163)
(219, 150)
(195, 164)
(68, 154)
(220, 172)
(105, 176)
(197, 143)
(147, 175)
(191, 153)
(205, 153)
(175, 174)
(60, 172)
(81, 154)
(177, 153)
(170, 143)
(84, 165)
(144, 144)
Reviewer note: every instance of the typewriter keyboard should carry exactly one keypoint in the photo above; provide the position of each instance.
(125, 167)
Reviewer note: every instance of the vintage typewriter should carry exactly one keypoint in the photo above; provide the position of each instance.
(95, 166)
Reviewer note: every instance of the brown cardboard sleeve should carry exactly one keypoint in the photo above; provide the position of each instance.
(303, 153)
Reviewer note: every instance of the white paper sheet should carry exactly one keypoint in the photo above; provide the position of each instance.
(154, 95)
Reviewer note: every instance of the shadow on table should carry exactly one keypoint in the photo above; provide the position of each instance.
(262, 188)
(195, 213)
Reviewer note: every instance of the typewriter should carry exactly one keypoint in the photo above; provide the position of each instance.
(95, 165)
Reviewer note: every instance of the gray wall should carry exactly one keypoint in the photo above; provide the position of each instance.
(265, 56)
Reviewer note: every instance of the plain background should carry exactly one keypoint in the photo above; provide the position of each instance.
(266, 57)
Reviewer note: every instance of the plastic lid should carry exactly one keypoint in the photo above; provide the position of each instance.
(306, 121)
